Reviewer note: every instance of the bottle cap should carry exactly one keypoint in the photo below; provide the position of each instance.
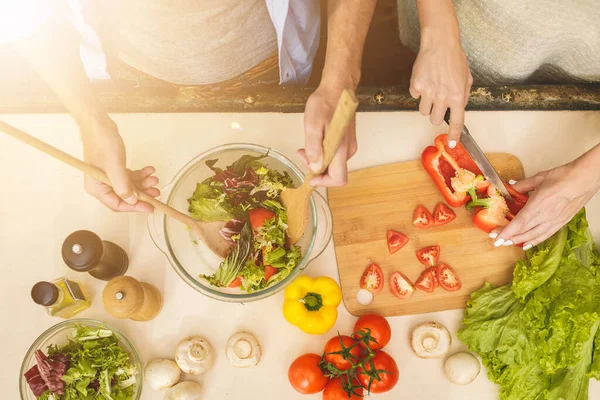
(82, 250)
(123, 297)
(44, 293)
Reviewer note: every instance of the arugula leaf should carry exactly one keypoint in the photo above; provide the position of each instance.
(247, 161)
(231, 266)
(253, 277)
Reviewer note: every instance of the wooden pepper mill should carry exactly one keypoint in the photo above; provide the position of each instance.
(125, 297)
(84, 251)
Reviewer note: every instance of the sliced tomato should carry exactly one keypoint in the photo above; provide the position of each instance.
(448, 278)
(372, 279)
(258, 216)
(270, 271)
(237, 282)
(395, 241)
(442, 214)
(422, 218)
(428, 281)
(429, 256)
(401, 286)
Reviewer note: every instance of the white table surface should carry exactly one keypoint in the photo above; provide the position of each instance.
(42, 201)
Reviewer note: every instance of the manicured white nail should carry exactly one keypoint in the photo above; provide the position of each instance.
(508, 243)
(512, 182)
(452, 144)
(131, 199)
(499, 242)
(493, 235)
(527, 247)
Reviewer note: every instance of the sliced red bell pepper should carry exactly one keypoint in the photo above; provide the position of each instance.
(444, 164)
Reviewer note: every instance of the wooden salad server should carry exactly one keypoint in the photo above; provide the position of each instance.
(208, 232)
(296, 200)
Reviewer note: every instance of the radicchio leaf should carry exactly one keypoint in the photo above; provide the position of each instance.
(52, 370)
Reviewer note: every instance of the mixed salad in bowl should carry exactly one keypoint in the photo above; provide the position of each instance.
(246, 195)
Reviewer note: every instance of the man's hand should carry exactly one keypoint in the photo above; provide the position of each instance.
(558, 195)
(441, 77)
(317, 116)
(104, 148)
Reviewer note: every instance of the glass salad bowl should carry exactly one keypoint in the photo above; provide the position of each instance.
(191, 258)
(59, 335)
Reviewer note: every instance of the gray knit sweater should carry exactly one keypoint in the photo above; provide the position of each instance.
(522, 41)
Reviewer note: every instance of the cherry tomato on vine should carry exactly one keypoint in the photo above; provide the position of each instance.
(333, 352)
(377, 326)
(306, 376)
(381, 373)
(337, 390)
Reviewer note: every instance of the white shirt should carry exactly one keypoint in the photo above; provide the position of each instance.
(296, 23)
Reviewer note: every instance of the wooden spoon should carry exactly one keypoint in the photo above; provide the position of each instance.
(296, 200)
(208, 232)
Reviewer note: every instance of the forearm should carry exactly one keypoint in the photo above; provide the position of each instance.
(347, 26)
(589, 164)
(438, 20)
(53, 52)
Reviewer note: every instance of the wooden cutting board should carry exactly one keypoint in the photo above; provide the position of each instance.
(384, 197)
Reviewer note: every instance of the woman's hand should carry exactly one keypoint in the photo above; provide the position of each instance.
(558, 195)
(104, 148)
(441, 77)
(317, 116)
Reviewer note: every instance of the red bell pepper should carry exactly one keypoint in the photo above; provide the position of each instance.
(495, 211)
(453, 171)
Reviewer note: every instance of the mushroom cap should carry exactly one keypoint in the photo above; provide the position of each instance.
(194, 355)
(430, 340)
(462, 368)
(161, 373)
(187, 390)
(243, 350)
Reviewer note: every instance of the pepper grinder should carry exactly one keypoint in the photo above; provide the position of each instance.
(126, 297)
(84, 251)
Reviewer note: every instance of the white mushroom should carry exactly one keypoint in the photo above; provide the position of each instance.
(184, 391)
(431, 340)
(161, 373)
(243, 350)
(194, 355)
(364, 297)
(462, 368)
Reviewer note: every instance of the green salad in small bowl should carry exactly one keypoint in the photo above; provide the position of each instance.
(81, 359)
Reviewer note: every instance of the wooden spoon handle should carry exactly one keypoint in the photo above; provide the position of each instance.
(89, 170)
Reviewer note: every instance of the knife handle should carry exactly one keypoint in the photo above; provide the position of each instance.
(447, 116)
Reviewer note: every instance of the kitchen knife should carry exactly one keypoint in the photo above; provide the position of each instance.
(480, 159)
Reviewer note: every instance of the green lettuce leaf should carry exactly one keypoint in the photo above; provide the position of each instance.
(253, 277)
(205, 209)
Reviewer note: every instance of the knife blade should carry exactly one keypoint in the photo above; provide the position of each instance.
(480, 159)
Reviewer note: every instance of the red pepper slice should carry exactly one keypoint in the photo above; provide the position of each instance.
(495, 211)
(442, 164)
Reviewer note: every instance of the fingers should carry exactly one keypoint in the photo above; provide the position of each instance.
(437, 114)
(414, 92)
(457, 121)
(529, 184)
(146, 183)
(524, 221)
(121, 184)
(109, 198)
(468, 89)
(314, 128)
(337, 172)
(352, 142)
(426, 104)
(142, 173)
(301, 153)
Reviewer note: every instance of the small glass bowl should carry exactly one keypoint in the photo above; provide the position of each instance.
(59, 335)
(190, 257)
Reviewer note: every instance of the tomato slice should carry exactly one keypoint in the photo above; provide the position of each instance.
(442, 214)
(372, 279)
(258, 216)
(428, 281)
(270, 271)
(237, 282)
(401, 286)
(429, 256)
(422, 218)
(395, 241)
(448, 278)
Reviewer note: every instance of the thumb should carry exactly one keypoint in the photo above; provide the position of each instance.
(527, 185)
(313, 134)
(121, 184)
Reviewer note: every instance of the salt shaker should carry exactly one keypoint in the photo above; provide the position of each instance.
(126, 297)
(84, 251)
